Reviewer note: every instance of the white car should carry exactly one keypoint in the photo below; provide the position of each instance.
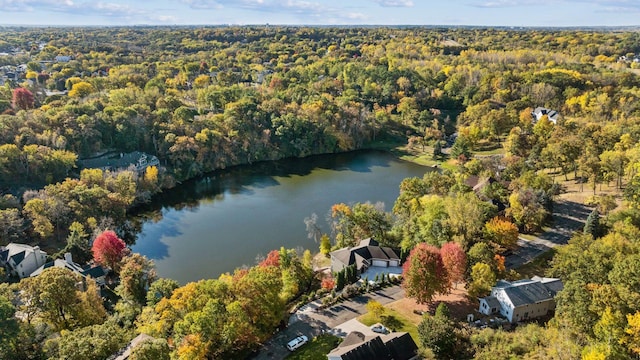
(297, 342)
(380, 329)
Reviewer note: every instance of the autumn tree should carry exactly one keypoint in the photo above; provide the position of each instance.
(482, 279)
(375, 308)
(81, 89)
(502, 232)
(108, 249)
(454, 260)
(325, 245)
(22, 99)
(424, 274)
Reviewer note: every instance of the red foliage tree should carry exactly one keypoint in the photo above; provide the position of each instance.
(424, 274)
(455, 261)
(273, 259)
(108, 249)
(22, 99)
(328, 283)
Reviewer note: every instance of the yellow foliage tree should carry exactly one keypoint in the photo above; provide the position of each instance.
(631, 337)
(81, 89)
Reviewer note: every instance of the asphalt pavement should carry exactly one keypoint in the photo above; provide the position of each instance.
(312, 322)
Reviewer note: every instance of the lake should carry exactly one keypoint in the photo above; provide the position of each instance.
(216, 223)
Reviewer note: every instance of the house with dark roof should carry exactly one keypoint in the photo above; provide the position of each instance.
(96, 272)
(21, 259)
(539, 112)
(368, 253)
(393, 346)
(522, 299)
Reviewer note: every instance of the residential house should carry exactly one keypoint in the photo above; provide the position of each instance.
(367, 253)
(539, 112)
(21, 259)
(96, 272)
(121, 161)
(62, 58)
(522, 299)
(393, 346)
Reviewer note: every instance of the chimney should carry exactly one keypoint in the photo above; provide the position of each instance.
(68, 258)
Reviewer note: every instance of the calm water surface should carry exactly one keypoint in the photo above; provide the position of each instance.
(216, 223)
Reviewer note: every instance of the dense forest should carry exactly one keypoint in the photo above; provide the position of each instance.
(207, 98)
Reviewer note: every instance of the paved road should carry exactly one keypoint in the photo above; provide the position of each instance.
(567, 217)
(307, 321)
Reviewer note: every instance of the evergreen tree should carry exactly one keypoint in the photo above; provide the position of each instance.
(340, 280)
(592, 225)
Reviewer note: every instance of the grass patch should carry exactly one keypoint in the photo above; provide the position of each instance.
(316, 349)
(537, 266)
(393, 320)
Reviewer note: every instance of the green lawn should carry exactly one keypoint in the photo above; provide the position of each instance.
(393, 320)
(317, 349)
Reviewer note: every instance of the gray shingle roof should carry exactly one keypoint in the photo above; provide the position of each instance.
(528, 293)
(492, 302)
(367, 249)
(17, 258)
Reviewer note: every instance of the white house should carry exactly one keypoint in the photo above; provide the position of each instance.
(21, 259)
(522, 299)
(96, 272)
(367, 253)
(539, 112)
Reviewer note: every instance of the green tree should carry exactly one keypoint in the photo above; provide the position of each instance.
(9, 328)
(53, 295)
(151, 349)
(592, 224)
(137, 273)
(159, 289)
(437, 334)
(94, 342)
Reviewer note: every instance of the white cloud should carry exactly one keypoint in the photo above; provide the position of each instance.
(69, 6)
(394, 3)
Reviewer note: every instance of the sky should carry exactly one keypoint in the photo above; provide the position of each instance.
(541, 13)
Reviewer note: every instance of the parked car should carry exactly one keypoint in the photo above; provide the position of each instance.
(297, 342)
(380, 329)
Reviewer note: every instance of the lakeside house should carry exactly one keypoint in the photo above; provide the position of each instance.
(137, 160)
(368, 253)
(96, 272)
(356, 346)
(21, 259)
(523, 299)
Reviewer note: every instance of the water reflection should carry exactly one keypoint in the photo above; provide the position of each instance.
(218, 222)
